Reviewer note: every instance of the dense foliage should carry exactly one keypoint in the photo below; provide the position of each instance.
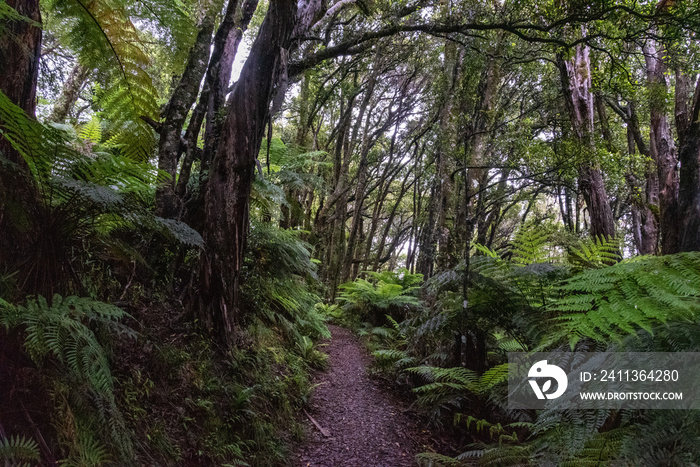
(639, 304)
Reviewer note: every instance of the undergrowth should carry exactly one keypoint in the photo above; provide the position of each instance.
(540, 294)
(149, 387)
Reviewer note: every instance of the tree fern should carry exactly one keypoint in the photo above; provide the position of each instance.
(292, 167)
(266, 198)
(639, 304)
(529, 246)
(173, 22)
(614, 302)
(594, 253)
(86, 451)
(379, 298)
(662, 437)
(399, 359)
(27, 136)
(103, 36)
(91, 131)
(280, 274)
(460, 379)
(86, 196)
(507, 455)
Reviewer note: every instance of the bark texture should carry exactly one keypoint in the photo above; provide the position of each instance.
(575, 73)
(662, 148)
(20, 49)
(211, 101)
(689, 192)
(227, 195)
(69, 93)
(184, 96)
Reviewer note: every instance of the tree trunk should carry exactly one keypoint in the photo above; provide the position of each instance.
(425, 261)
(645, 201)
(20, 50)
(175, 114)
(211, 101)
(231, 175)
(227, 40)
(433, 246)
(477, 178)
(390, 221)
(69, 93)
(576, 81)
(649, 216)
(662, 148)
(689, 192)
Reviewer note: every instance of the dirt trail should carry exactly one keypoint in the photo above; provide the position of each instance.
(368, 426)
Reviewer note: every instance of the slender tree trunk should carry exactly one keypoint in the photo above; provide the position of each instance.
(434, 241)
(385, 183)
(649, 215)
(426, 241)
(445, 164)
(355, 226)
(493, 216)
(325, 225)
(477, 178)
(576, 81)
(645, 197)
(69, 94)
(662, 148)
(390, 221)
(175, 114)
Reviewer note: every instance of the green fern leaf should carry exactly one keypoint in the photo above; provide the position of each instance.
(18, 451)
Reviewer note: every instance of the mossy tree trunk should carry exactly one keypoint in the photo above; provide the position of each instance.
(575, 72)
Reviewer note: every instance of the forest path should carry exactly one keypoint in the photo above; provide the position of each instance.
(368, 426)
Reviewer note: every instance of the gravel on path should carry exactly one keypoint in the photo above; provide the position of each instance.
(368, 425)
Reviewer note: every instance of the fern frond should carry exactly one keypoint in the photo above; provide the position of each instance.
(595, 253)
(174, 22)
(104, 38)
(506, 455)
(89, 451)
(28, 137)
(661, 437)
(91, 131)
(528, 247)
(614, 302)
(266, 198)
(492, 377)
(60, 330)
(19, 451)
(179, 231)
